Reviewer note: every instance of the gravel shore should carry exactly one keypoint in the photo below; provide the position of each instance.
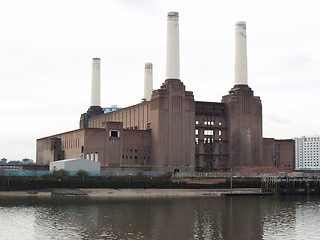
(128, 193)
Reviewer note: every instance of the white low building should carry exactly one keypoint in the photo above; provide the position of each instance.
(307, 152)
(75, 165)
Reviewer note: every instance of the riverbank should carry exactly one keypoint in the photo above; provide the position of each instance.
(9, 183)
(128, 193)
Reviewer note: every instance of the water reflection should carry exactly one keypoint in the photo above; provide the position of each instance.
(204, 218)
(279, 218)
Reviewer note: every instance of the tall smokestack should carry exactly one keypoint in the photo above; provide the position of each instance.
(148, 81)
(240, 73)
(95, 82)
(173, 62)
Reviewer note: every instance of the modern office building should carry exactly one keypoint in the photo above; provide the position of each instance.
(307, 152)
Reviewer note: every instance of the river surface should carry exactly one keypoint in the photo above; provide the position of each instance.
(236, 217)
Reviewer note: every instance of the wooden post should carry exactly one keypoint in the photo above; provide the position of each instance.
(231, 180)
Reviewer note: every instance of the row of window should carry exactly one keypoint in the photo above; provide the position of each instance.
(136, 150)
(136, 157)
(208, 132)
(310, 165)
(209, 123)
(311, 139)
(207, 140)
(70, 143)
(93, 156)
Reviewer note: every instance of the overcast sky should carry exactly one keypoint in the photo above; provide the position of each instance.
(47, 46)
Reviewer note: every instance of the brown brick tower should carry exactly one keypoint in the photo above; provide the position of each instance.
(244, 124)
(244, 111)
(172, 124)
(173, 112)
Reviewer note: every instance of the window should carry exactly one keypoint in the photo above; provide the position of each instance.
(96, 157)
(114, 133)
(208, 132)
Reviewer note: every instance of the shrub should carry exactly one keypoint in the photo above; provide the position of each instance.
(83, 173)
(60, 173)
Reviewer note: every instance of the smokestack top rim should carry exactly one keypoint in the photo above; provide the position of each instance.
(241, 24)
(95, 59)
(148, 65)
(173, 16)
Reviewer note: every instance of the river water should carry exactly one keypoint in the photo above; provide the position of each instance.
(236, 217)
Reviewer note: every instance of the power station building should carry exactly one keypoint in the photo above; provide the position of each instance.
(169, 130)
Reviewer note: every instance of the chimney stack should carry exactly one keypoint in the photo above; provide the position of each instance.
(148, 81)
(240, 71)
(173, 62)
(95, 82)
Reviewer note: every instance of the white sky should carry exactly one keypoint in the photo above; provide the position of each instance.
(47, 46)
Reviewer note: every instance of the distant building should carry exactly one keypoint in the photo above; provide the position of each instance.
(12, 165)
(111, 109)
(307, 152)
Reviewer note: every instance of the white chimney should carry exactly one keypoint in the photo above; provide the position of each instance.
(173, 62)
(95, 83)
(240, 70)
(148, 81)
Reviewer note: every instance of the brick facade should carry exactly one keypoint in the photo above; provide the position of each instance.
(172, 132)
(244, 127)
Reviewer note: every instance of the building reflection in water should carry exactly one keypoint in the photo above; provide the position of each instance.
(237, 217)
(206, 218)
